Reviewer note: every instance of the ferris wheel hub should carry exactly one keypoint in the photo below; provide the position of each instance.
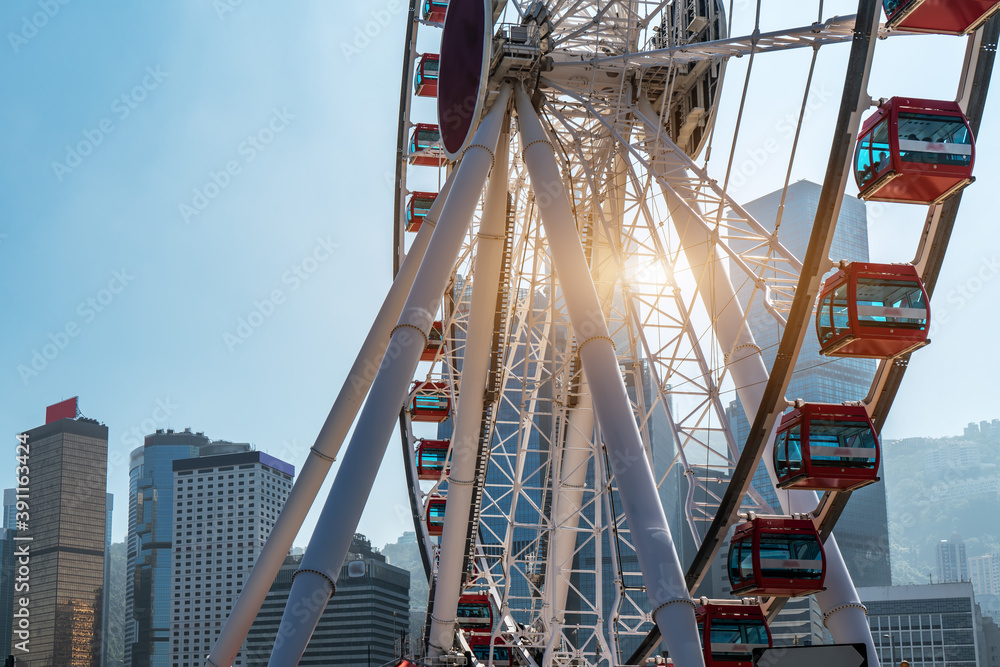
(464, 68)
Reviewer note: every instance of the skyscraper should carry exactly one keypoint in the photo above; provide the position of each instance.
(149, 542)
(862, 530)
(369, 612)
(109, 508)
(952, 564)
(9, 507)
(8, 572)
(224, 507)
(68, 460)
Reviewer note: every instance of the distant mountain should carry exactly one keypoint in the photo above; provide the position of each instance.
(405, 553)
(939, 486)
(116, 607)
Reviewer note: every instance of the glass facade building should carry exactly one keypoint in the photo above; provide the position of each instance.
(863, 529)
(8, 573)
(150, 531)
(366, 622)
(68, 460)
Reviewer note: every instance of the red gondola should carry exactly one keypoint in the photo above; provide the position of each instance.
(429, 402)
(417, 209)
(826, 448)
(480, 645)
(425, 80)
(434, 10)
(776, 556)
(425, 146)
(475, 613)
(877, 311)
(914, 151)
(435, 515)
(730, 632)
(431, 458)
(943, 17)
(435, 341)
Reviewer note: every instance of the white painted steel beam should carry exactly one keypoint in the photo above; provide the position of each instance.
(324, 452)
(840, 603)
(472, 392)
(313, 583)
(673, 609)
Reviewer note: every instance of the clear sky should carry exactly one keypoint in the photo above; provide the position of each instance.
(165, 168)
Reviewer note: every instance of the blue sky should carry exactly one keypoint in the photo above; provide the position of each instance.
(277, 124)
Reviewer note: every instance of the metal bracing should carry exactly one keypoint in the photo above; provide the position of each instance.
(627, 93)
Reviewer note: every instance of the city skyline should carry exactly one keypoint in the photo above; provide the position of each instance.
(156, 294)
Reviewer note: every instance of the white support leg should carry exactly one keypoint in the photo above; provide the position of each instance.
(313, 583)
(468, 418)
(658, 561)
(324, 451)
(843, 613)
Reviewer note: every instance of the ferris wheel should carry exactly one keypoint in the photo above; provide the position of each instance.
(569, 309)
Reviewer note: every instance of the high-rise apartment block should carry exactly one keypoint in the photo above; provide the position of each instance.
(366, 622)
(984, 573)
(952, 564)
(66, 494)
(224, 507)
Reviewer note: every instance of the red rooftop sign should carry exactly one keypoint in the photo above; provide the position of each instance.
(64, 410)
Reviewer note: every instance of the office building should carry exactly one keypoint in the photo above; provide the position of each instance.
(863, 529)
(366, 622)
(8, 573)
(224, 508)
(9, 507)
(929, 624)
(68, 460)
(952, 564)
(149, 542)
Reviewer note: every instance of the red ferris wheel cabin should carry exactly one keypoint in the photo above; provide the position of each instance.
(730, 632)
(431, 458)
(435, 515)
(776, 556)
(914, 151)
(434, 10)
(417, 209)
(425, 80)
(826, 447)
(876, 311)
(480, 645)
(429, 402)
(475, 613)
(425, 146)
(943, 17)
(435, 341)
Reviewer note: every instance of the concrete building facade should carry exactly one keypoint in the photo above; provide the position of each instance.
(224, 507)
(366, 622)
